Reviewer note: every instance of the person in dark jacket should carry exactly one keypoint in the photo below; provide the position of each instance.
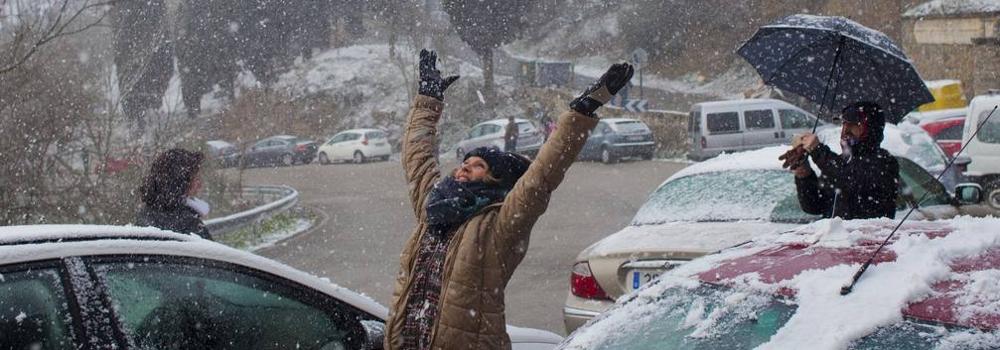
(860, 183)
(168, 194)
(510, 135)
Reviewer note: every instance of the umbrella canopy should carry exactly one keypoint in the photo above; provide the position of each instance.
(835, 62)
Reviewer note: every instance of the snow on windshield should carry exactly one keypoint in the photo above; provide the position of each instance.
(718, 196)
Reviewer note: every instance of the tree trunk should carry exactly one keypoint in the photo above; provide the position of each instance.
(488, 85)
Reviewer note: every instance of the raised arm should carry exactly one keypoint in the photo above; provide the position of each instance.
(529, 198)
(420, 136)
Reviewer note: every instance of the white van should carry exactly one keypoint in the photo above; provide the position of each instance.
(984, 149)
(738, 125)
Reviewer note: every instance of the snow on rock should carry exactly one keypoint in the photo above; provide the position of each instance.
(953, 7)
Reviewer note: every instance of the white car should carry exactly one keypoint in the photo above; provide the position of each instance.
(105, 287)
(355, 145)
(984, 149)
(490, 133)
(715, 204)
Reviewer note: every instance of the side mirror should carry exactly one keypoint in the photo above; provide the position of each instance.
(374, 334)
(963, 161)
(969, 193)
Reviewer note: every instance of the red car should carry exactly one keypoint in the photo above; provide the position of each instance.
(945, 126)
(935, 285)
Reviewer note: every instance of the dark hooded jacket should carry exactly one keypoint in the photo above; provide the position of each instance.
(180, 219)
(860, 186)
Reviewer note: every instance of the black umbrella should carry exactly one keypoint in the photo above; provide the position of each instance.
(835, 62)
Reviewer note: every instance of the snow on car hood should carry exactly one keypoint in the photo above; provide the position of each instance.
(693, 237)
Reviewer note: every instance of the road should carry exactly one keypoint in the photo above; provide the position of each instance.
(366, 219)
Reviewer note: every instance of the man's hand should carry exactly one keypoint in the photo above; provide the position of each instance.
(809, 141)
(431, 83)
(795, 159)
(603, 89)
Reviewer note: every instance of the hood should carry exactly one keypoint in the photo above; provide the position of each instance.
(697, 238)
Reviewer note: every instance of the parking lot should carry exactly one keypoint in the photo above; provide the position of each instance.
(366, 217)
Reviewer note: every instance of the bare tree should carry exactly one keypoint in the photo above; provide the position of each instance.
(40, 22)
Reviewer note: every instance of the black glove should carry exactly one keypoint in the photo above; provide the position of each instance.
(431, 83)
(603, 89)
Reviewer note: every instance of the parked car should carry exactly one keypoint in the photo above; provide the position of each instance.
(933, 287)
(985, 147)
(355, 145)
(615, 138)
(739, 125)
(945, 127)
(222, 152)
(716, 204)
(490, 133)
(280, 150)
(912, 142)
(105, 287)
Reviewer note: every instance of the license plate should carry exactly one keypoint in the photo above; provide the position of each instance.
(638, 278)
(635, 138)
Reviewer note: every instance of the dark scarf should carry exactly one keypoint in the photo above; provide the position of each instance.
(450, 203)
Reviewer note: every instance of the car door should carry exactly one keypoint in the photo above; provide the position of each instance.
(724, 131)
(591, 149)
(333, 145)
(794, 122)
(167, 302)
(258, 153)
(760, 128)
(37, 309)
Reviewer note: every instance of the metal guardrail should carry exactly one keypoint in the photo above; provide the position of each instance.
(278, 199)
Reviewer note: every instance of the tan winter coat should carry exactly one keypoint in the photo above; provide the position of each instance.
(488, 247)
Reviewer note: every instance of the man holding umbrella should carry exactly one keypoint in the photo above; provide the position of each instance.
(836, 63)
(861, 182)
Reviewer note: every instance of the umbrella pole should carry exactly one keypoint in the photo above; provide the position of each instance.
(829, 79)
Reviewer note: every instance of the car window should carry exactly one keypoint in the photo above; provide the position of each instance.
(374, 135)
(724, 196)
(631, 126)
(703, 317)
(490, 129)
(723, 123)
(476, 131)
(599, 130)
(951, 133)
(262, 143)
(990, 131)
(917, 182)
(794, 119)
(193, 306)
(759, 119)
(337, 138)
(523, 127)
(33, 310)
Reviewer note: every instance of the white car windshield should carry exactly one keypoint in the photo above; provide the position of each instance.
(725, 196)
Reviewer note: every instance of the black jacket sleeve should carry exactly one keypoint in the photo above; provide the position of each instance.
(830, 164)
(813, 197)
(887, 177)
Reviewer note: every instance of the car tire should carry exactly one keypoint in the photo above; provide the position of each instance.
(323, 159)
(647, 156)
(359, 157)
(992, 192)
(607, 157)
(287, 159)
(384, 158)
(306, 160)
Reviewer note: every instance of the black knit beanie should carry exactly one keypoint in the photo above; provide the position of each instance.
(505, 166)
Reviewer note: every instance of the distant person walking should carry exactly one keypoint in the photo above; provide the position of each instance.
(168, 194)
(474, 223)
(510, 136)
(860, 183)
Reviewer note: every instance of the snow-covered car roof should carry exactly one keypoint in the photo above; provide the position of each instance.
(219, 144)
(953, 8)
(944, 273)
(42, 242)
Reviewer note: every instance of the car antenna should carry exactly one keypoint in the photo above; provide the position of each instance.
(845, 290)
